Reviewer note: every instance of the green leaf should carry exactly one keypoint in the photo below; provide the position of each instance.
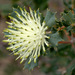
(70, 68)
(65, 3)
(42, 4)
(69, 28)
(13, 14)
(69, 21)
(68, 3)
(31, 65)
(74, 11)
(5, 9)
(69, 17)
(55, 38)
(50, 18)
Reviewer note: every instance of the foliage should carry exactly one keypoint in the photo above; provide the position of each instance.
(22, 3)
(68, 4)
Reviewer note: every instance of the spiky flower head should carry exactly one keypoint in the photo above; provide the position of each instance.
(26, 35)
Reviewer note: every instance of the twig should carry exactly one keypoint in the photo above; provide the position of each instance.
(67, 35)
(64, 42)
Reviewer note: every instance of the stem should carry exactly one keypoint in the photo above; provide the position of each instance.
(67, 35)
(64, 42)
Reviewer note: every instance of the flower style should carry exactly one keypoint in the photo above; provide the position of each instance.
(26, 35)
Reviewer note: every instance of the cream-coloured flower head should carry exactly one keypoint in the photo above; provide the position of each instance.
(26, 35)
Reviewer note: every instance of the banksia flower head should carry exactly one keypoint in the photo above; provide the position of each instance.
(26, 35)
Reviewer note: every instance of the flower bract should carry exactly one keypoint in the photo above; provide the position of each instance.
(26, 35)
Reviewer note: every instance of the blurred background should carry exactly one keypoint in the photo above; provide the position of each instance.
(8, 65)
